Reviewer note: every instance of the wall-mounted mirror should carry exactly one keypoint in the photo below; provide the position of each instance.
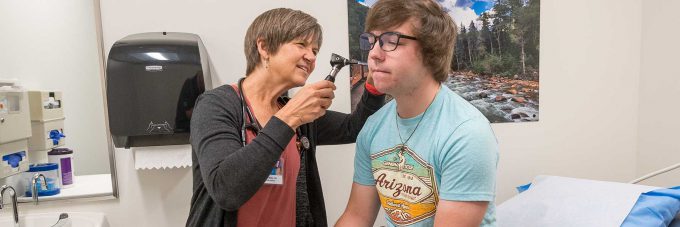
(56, 47)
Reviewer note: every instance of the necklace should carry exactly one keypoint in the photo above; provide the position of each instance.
(403, 143)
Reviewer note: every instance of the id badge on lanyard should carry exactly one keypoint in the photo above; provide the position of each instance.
(276, 175)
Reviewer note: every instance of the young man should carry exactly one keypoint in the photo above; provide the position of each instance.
(428, 157)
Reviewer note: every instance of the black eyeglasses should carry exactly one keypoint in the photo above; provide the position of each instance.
(388, 40)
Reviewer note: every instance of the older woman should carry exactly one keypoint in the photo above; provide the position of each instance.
(254, 160)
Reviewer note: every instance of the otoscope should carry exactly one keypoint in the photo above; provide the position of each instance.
(337, 62)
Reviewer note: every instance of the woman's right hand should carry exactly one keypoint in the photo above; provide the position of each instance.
(308, 104)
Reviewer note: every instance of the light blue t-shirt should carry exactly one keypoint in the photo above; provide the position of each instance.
(452, 155)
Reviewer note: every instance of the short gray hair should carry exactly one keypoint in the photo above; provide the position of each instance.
(277, 27)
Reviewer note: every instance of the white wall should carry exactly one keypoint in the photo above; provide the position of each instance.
(659, 90)
(52, 45)
(590, 66)
(590, 62)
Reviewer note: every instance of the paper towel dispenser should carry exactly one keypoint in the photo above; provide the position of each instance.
(152, 82)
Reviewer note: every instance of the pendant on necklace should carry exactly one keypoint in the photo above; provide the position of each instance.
(305, 142)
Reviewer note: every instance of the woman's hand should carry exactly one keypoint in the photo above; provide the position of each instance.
(308, 104)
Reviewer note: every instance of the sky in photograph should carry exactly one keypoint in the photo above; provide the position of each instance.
(462, 11)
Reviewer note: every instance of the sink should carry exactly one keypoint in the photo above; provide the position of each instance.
(78, 219)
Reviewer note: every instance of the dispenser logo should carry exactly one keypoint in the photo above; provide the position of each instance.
(154, 68)
(160, 128)
(3, 106)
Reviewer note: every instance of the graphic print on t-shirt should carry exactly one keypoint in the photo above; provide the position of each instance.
(405, 184)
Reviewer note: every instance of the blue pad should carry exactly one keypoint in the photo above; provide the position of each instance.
(655, 208)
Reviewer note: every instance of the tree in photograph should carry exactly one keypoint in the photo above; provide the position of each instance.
(356, 17)
(472, 42)
(462, 48)
(486, 36)
(501, 22)
(530, 25)
(525, 27)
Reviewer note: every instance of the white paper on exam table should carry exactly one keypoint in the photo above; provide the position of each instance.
(560, 201)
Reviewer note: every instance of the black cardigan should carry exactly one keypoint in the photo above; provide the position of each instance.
(224, 176)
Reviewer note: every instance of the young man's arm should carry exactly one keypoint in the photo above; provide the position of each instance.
(468, 166)
(362, 207)
(459, 214)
